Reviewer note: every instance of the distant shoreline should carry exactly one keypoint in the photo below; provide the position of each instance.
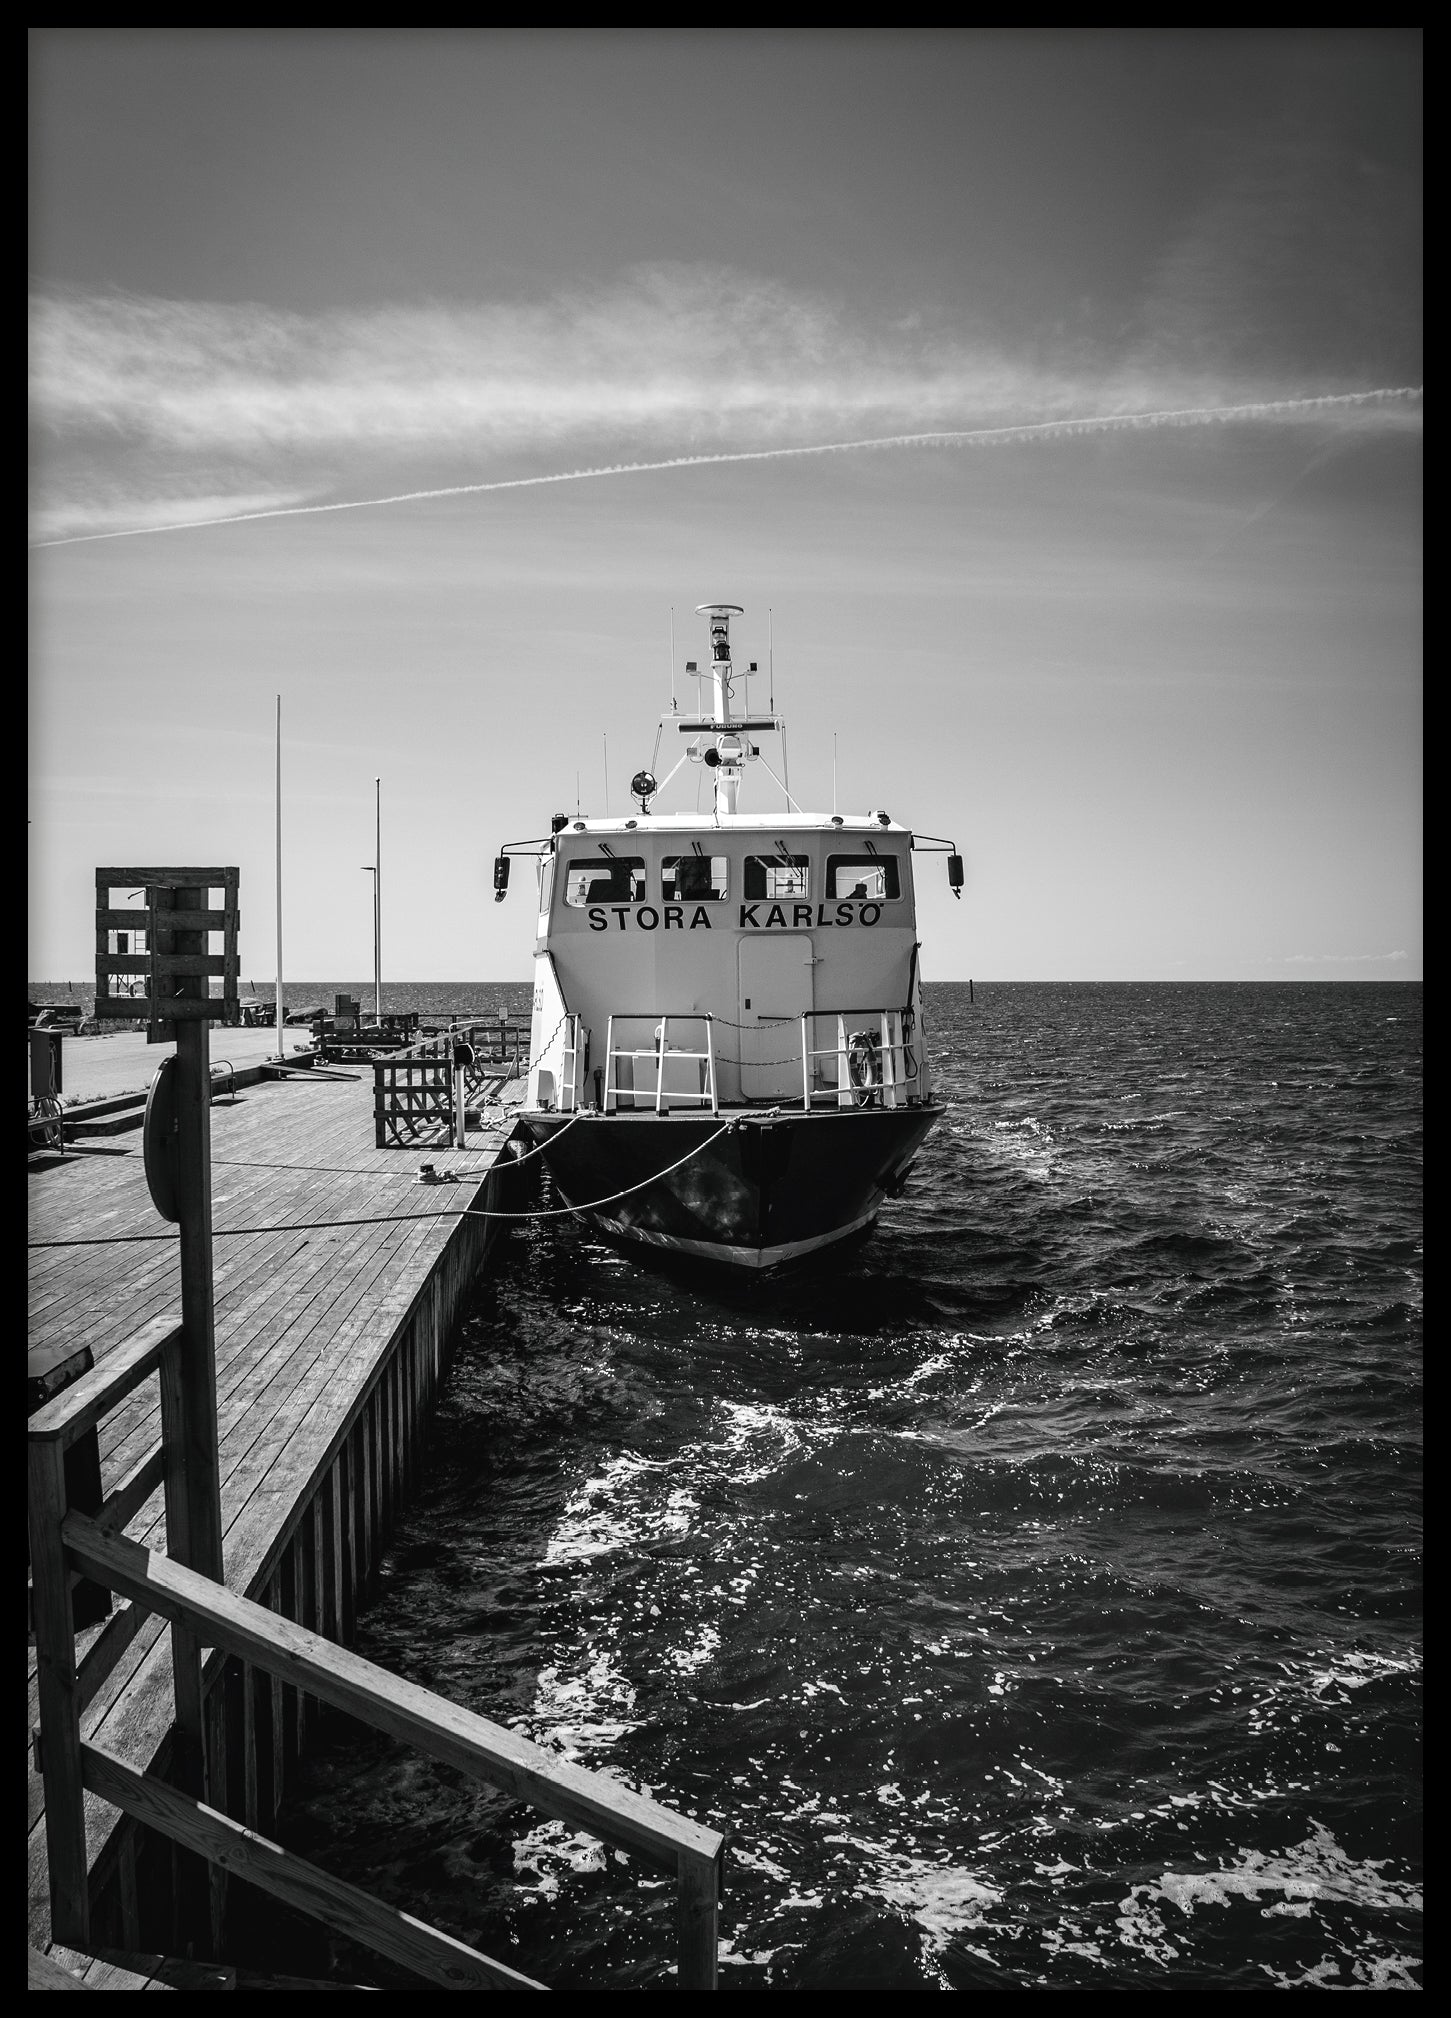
(408, 994)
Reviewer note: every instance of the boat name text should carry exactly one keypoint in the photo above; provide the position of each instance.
(671, 917)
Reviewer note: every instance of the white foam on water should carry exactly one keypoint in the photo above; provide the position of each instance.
(1354, 1670)
(584, 1703)
(754, 1440)
(701, 1650)
(549, 1850)
(726, 1950)
(1320, 1681)
(1025, 1142)
(584, 1712)
(603, 1514)
(1389, 1971)
(943, 1900)
(1313, 1873)
(754, 1860)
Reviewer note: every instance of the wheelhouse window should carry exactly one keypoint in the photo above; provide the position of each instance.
(606, 879)
(875, 878)
(776, 876)
(695, 879)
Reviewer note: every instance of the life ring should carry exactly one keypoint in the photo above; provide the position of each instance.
(864, 1065)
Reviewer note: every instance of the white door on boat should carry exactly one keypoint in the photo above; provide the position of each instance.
(775, 977)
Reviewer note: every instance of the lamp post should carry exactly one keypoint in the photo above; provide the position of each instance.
(377, 900)
(369, 870)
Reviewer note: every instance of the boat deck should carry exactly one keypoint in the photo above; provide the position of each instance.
(339, 1247)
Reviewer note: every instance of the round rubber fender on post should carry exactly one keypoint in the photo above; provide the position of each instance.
(158, 1141)
(864, 1065)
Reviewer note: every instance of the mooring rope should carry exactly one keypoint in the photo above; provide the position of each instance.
(398, 1176)
(407, 1218)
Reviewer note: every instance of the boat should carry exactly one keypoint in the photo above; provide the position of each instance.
(727, 1055)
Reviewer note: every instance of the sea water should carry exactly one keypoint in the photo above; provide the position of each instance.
(1034, 1592)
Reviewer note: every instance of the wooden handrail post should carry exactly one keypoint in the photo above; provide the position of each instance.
(698, 1922)
(60, 1704)
(199, 1543)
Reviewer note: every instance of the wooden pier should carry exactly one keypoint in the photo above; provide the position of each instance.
(339, 1278)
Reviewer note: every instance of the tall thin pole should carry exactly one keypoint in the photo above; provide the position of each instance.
(673, 708)
(606, 735)
(771, 659)
(833, 773)
(378, 902)
(281, 1053)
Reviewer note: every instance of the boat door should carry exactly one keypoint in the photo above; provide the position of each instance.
(775, 992)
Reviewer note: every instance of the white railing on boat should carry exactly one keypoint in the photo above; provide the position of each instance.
(871, 1059)
(681, 1078)
(875, 1064)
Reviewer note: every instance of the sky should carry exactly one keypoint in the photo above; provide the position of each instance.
(1057, 394)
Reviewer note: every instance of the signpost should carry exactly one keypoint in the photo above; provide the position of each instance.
(178, 968)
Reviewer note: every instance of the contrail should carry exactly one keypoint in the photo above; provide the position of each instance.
(1043, 430)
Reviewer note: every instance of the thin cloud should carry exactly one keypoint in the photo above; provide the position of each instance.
(101, 521)
(1274, 410)
(664, 352)
(150, 413)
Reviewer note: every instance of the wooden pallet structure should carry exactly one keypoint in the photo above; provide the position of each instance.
(424, 1087)
(174, 924)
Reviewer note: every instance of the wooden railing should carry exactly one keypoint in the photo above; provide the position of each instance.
(67, 1545)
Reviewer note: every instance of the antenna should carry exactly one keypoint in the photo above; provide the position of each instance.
(576, 795)
(606, 736)
(673, 708)
(833, 774)
(771, 661)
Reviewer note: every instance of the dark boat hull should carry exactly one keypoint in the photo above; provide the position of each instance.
(746, 1190)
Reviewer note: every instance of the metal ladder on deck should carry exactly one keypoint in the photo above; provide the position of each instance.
(569, 1065)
